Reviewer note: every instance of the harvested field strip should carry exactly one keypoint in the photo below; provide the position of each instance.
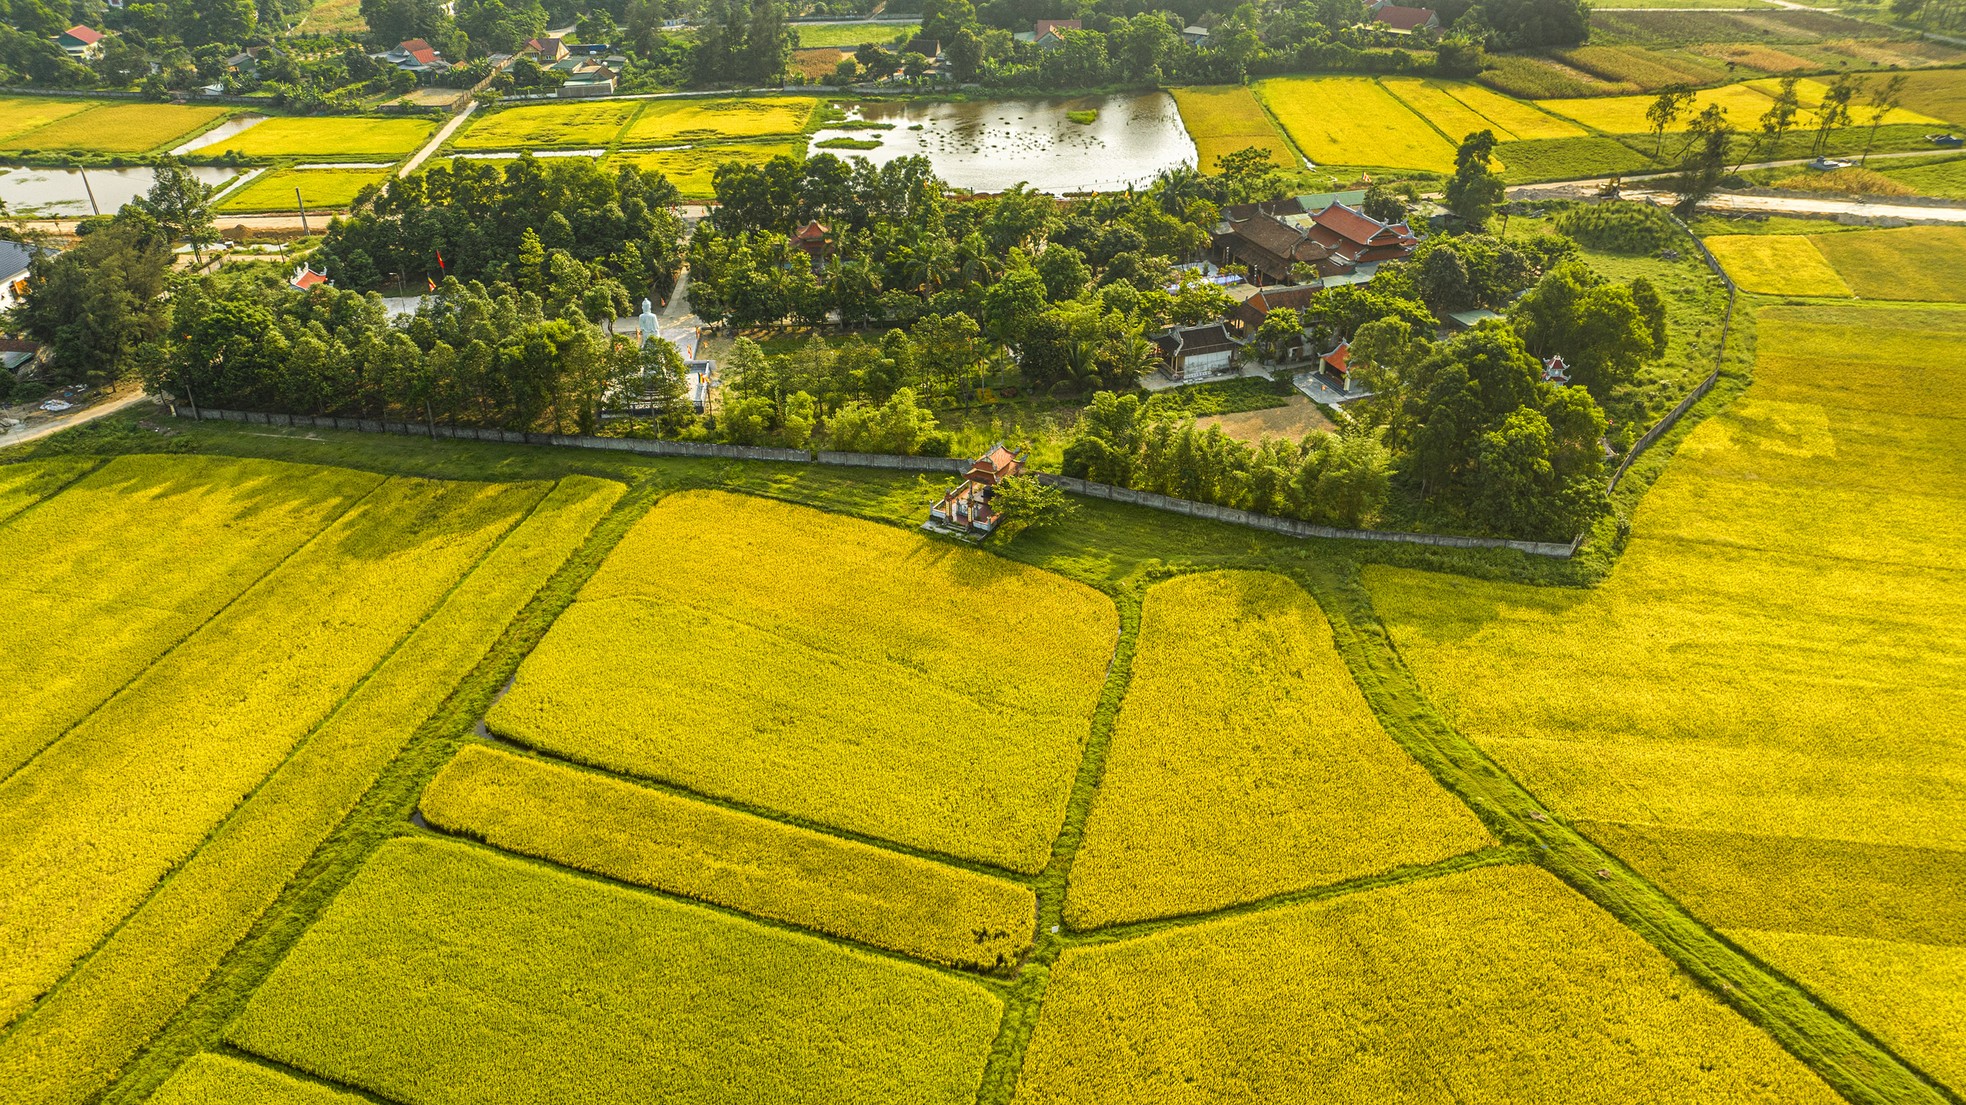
(130, 793)
(223, 1080)
(76, 1041)
(117, 128)
(563, 125)
(333, 136)
(690, 120)
(1648, 70)
(750, 864)
(1431, 101)
(1353, 121)
(853, 34)
(1912, 262)
(111, 573)
(1245, 764)
(1569, 159)
(1778, 264)
(322, 189)
(1912, 995)
(599, 994)
(849, 698)
(25, 113)
(1225, 119)
(24, 484)
(1492, 985)
(1536, 78)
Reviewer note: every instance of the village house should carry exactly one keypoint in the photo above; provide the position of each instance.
(15, 259)
(1190, 353)
(306, 278)
(1250, 313)
(1195, 36)
(416, 56)
(1048, 34)
(80, 43)
(246, 62)
(546, 50)
(1401, 20)
(967, 505)
(1337, 365)
(1338, 240)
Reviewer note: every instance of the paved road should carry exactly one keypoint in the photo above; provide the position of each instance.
(443, 135)
(71, 419)
(1803, 205)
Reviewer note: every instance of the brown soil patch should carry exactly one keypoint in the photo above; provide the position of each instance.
(1297, 417)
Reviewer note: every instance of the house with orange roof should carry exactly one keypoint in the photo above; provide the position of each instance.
(967, 505)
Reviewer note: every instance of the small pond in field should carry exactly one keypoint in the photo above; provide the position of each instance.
(992, 145)
(62, 192)
(228, 129)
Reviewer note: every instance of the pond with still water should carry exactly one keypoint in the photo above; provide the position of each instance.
(989, 146)
(62, 192)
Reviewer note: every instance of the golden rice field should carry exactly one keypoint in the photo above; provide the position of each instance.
(1354, 121)
(344, 136)
(75, 1042)
(1778, 264)
(566, 124)
(446, 968)
(693, 169)
(20, 114)
(667, 122)
(1760, 707)
(1227, 118)
(1246, 764)
(209, 1079)
(870, 718)
(1489, 986)
(1912, 262)
(1744, 104)
(1460, 109)
(115, 128)
(764, 868)
(321, 189)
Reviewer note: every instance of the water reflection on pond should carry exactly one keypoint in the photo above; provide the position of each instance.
(990, 146)
(61, 191)
(228, 129)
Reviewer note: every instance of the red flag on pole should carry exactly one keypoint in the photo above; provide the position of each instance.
(440, 260)
(432, 283)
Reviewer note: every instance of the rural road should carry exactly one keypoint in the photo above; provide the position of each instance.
(70, 420)
(443, 135)
(1803, 205)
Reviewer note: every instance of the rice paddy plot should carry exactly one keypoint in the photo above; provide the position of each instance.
(116, 128)
(825, 667)
(1810, 93)
(1524, 120)
(443, 969)
(1778, 264)
(77, 1041)
(1743, 103)
(1245, 763)
(26, 483)
(591, 822)
(223, 1080)
(1431, 101)
(1569, 159)
(108, 575)
(1537, 78)
(693, 169)
(1939, 93)
(319, 189)
(1225, 119)
(1943, 179)
(20, 114)
(1496, 985)
(855, 33)
(329, 136)
(1911, 262)
(700, 120)
(566, 124)
(129, 793)
(1642, 69)
(1354, 121)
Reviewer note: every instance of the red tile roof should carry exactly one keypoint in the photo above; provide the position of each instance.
(306, 279)
(84, 35)
(1404, 19)
(813, 231)
(426, 56)
(1044, 25)
(1340, 358)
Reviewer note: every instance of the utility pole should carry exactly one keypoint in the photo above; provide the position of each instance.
(91, 192)
(303, 212)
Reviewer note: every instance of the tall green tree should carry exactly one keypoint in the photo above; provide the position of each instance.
(1475, 189)
(182, 206)
(98, 305)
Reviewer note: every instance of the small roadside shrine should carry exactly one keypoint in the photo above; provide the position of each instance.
(967, 505)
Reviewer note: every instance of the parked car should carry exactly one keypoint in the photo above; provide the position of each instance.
(1945, 140)
(1828, 163)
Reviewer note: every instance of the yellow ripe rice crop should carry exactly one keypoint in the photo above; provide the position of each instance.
(322, 189)
(26, 483)
(1354, 121)
(1225, 119)
(103, 578)
(1778, 264)
(327, 136)
(1760, 706)
(854, 674)
(1911, 262)
(1495, 985)
(20, 114)
(444, 968)
(1521, 118)
(564, 124)
(1743, 103)
(128, 794)
(664, 122)
(76, 1042)
(693, 170)
(113, 128)
(1810, 93)
(222, 1080)
(1912, 995)
(585, 820)
(1246, 763)
(1430, 100)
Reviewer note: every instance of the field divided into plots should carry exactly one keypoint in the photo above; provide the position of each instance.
(117, 127)
(871, 718)
(1225, 119)
(1760, 707)
(319, 189)
(1920, 263)
(343, 136)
